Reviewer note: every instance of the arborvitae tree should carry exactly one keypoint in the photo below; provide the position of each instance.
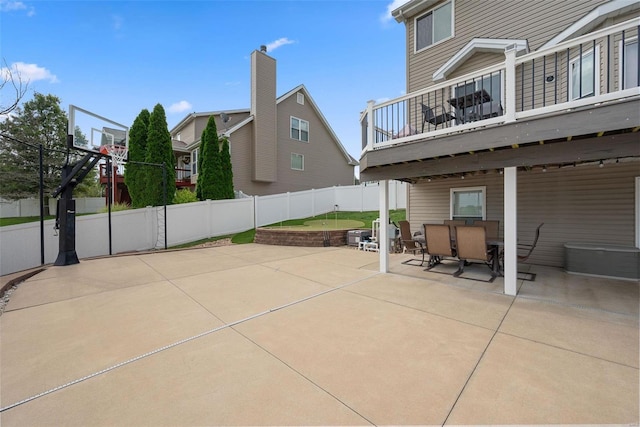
(39, 121)
(159, 150)
(210, 174)
(227, 172)
(199, 165)
(134, 174)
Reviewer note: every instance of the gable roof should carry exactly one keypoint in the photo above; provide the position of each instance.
(194, 115)
(593, 19)
(477, 45)
(309, 99)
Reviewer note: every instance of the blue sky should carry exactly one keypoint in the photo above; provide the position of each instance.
(115, 58)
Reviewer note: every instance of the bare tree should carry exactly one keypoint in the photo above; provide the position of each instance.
(11, 80)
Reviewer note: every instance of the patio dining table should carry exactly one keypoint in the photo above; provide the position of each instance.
(471, 100)
(493, 243)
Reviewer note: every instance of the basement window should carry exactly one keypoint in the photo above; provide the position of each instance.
(468, 203)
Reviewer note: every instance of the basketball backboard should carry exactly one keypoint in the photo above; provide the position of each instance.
(91, 131)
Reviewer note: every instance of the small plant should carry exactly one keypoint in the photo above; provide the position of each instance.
(115, 207)
(184, 196)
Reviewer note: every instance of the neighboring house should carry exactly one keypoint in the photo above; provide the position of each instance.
(525, 112)
(279, 144)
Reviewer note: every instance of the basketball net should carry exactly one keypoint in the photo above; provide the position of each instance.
(118, 153)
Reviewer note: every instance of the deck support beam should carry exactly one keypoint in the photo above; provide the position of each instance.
(383, 231)
(510, 230)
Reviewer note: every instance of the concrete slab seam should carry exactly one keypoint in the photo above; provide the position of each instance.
(175, 344)
(478, 363)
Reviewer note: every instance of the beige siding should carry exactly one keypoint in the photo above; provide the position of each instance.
(324, 163)
(577, 204)
(537, 21)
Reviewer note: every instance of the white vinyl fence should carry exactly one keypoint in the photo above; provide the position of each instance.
(143, 229)
(31, 207)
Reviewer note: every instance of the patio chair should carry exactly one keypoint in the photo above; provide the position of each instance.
(452, 223)
(430, 116)
(492, 226)
(410, 244)
(471, 245)
(526, 249)
(438, 240)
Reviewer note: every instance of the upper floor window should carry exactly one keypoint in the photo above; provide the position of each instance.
(584, 77)
(629, 67)
(434, 26)
(299, 129)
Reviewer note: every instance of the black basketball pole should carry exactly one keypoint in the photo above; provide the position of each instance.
(41, 157)
(164, 189)
(109, 199)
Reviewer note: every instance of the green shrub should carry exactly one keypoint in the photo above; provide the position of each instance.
(184, 196)
(115, 207)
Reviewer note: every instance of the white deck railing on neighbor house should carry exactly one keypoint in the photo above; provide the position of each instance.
(566, 75)
(141, 229)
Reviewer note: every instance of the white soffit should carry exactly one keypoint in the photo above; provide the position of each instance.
(411, 8)
(593, 19)
(477, 45)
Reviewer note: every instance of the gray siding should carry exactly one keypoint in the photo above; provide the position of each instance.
(536, 21)
(577, 204)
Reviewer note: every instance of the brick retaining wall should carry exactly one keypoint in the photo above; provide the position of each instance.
(274, 236)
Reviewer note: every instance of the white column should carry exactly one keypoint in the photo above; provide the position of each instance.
(510, 83)
(383, 232)
(370, 125)
(510, 230)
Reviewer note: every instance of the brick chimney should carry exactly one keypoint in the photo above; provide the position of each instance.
(263, 109)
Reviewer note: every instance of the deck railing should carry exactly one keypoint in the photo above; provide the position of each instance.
(598, 67)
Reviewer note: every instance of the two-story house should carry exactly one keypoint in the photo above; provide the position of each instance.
(277, 145)
(524, 112)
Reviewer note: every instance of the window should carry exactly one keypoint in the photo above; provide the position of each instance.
(299, 129)
(194, 161)
(434, 26)
(297, 161)
(629, 67)
(584, 77)
(300, 98)
(468, 203)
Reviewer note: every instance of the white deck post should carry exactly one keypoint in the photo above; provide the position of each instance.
(370, 125)
(383, 232)
(510, 83)
(510, 230)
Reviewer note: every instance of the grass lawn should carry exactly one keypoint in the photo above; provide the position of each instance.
(21, 220)
(363, 217)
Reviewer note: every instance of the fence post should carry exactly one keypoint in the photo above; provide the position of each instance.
(255, 212)
(313, 202)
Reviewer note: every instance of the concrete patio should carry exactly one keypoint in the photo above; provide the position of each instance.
(274, 335)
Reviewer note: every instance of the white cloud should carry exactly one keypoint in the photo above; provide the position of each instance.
(180, 107)
(280, 42)
(386, 17)
(28, 72)
(117, 21)
(12, 6)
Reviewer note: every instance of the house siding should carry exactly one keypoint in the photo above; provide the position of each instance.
(577, 204)
(536, 21)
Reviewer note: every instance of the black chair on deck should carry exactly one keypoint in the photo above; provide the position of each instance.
(430, 116)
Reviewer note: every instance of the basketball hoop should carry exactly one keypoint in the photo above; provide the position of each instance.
(118, 153)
